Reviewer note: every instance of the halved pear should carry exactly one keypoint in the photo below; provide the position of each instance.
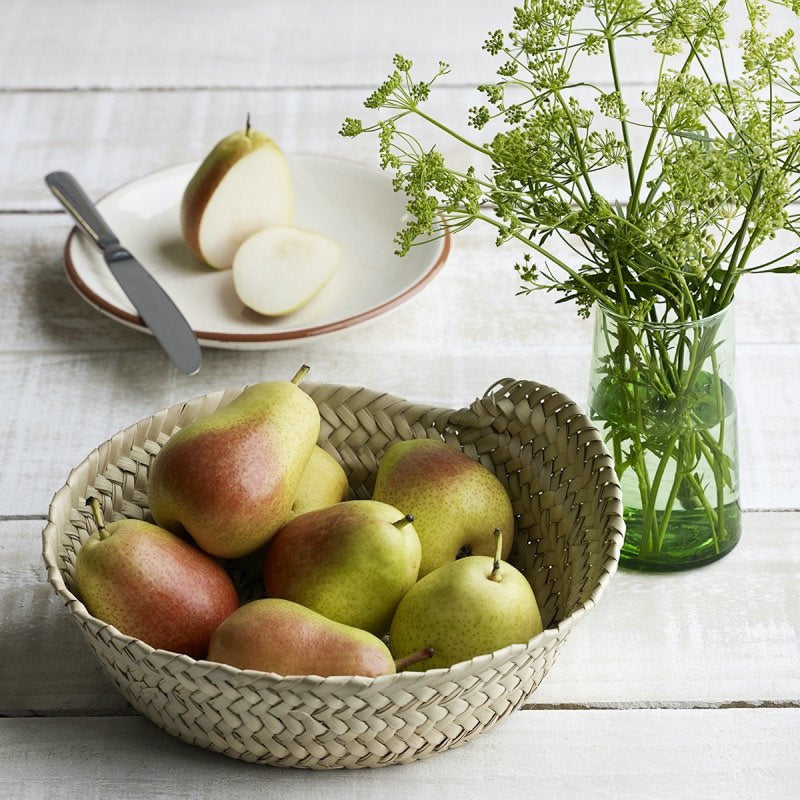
(242, 186)
(279, 269)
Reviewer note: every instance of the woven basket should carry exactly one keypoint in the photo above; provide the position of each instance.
(567, 503)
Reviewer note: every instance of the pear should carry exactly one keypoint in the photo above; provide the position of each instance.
(322, 484)
(464, 609)
(279, 269)
(229, 479)
(152, 585)
(456, 502)
(243, 185)
(351, 562)
(279, 636)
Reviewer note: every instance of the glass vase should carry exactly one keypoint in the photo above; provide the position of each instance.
(663, 396)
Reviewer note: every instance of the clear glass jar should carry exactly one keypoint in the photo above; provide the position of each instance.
(663, 396)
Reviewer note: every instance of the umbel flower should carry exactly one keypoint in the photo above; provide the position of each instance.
(705, 168)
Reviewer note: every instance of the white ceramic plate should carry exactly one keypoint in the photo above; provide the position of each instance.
(350, 202)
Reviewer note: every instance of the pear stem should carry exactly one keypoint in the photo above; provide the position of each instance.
(495, 573)
(97, 515)
(403, 521)
(301, 373)
(247, 125)
(402, 663)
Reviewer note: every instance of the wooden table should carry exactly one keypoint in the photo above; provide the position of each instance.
(678, 686)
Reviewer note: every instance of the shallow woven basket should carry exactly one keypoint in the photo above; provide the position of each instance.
(567, 503)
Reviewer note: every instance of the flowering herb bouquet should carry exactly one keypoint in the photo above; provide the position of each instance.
(710, 161)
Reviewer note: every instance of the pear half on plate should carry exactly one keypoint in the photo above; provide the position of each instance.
(351, 203)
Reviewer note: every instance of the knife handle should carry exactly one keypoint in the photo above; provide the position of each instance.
(64, 186)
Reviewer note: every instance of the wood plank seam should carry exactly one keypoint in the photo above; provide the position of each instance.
(644, 705)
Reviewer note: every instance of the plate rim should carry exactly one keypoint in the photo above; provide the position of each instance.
(217, 337)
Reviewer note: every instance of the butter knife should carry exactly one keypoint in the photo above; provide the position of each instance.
(154, 305)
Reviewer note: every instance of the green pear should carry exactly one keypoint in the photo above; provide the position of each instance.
(322, 484)
(351, 562)
(230, 478)
(456, 502)
(279, 636)
(466, 608)
(152, 585)
(242, 186)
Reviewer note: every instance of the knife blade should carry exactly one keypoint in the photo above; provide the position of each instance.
(155, 307)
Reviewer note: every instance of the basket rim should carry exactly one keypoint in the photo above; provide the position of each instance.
(255, 679)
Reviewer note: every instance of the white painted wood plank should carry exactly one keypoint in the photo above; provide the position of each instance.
(737, 754)
(280, 43)
(473, 300)
(727, 633)
(42, 312)
(768, 386)
(45, 666)
(108, 138)
(118, 43)
(723, 633)
(59, 406)
(444, 346)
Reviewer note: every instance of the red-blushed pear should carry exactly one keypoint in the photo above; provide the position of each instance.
(279, 636)
(456, 502)
(322, 484)
(466, 608)
(242, 186)
(152, 585)
(229, 479)
(351, 562)
(281, 268)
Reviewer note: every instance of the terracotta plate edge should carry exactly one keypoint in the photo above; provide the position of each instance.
(215, 336)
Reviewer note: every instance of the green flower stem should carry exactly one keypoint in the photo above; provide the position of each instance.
(729, 291)
(719, 479)
(711, 515)
(732, 274)
(638, 464)
(450, 132)
(646, 490)
(617, 448)
(650, 509)
(716, 519)
(623, 124)
(546, 253)
(764, 266)
(690, 440)
(620, 284)
(714, 452)
(673, 495)
(651, 141)
(578, 148)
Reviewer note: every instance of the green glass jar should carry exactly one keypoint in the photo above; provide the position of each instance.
(663, 396)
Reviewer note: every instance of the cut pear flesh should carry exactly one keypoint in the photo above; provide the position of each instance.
(279, 269)
(254, 193)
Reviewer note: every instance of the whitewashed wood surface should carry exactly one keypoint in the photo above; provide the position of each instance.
(674, 686)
